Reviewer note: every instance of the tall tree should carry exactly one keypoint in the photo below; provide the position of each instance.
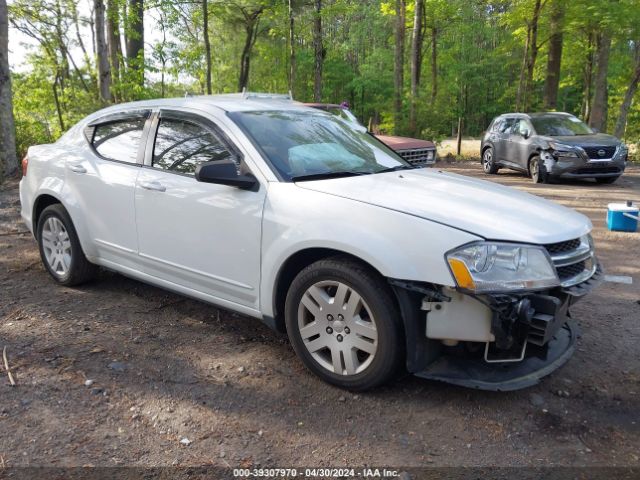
(554, 58)
(398, 65)
(114, 45)
(416, 62)
(529, 57)
(600, 105)
(8, 155)
(102, 54)
(319, 52)
(251, 19)
(134, 39)
(207, 43)
(292, 48)
(632, 87)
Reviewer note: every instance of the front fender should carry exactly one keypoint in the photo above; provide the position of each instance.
(397, 245)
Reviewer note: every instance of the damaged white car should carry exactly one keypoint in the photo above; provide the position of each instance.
(261, 205)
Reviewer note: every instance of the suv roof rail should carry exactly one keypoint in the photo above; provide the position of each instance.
(246, 95)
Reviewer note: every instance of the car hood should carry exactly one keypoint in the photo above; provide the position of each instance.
(480, 207)
(404, 143)
(595, 140)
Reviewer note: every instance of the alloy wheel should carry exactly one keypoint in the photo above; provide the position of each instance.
(337, 327)
(57, 246)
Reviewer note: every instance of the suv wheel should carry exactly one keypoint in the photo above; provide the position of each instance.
(488, 163)
(60, 249)
(344, 324)
(537, 171)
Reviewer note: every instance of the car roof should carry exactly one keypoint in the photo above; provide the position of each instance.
(535, 115)
(232, 102)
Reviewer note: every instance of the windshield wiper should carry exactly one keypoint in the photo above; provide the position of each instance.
(325, 175)
(396, 168)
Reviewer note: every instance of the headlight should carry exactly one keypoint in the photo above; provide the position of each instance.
(499, 267)
(561, 150)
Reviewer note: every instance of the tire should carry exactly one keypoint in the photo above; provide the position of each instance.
(537, 171)
(606, 180)
(488, 162)
(358, 351)
(60, 248)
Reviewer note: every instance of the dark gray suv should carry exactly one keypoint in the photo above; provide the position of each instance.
(550, 146)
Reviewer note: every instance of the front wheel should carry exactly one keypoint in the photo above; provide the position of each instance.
(488, 163)
(537, 171)
(344, 324)
(60, 248)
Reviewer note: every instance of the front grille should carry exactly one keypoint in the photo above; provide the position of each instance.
(562, 247)
(418, 155)
(595, 152)
(570, 271)
(591, 169)
(573, 259)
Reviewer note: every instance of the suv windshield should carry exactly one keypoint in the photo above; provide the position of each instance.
(557, 126)
(311, 145)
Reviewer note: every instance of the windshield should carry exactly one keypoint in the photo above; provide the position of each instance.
(309, 144)
(558, 126)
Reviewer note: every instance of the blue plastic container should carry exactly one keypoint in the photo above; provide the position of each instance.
(622, 217)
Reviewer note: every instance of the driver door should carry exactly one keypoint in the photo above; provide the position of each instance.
(203, 237)
(521, 144)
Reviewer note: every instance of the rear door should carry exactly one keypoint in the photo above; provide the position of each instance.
(203, 237)
(103, 183)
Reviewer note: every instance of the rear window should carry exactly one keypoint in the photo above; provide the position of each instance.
(119, 140)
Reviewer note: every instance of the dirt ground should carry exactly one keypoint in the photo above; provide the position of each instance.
(121, 373)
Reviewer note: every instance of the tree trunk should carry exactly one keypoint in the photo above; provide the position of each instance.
(135, 39)
(398, 70)
(554, 59)
(319, 52)
(8, 155)
(113, 45)
(599, 107)
(207, 42)
(588, 81)
(251, 29)
(434, 65)
(416, 60)
(529, 59)
(102, 58)
(292, 50)
(621, 123)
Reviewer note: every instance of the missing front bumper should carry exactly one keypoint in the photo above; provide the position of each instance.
(476, 373)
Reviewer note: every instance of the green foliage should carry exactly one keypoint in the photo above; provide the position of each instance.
(479, 51)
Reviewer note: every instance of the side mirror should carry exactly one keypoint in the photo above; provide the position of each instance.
(224, 172)
(526, 134)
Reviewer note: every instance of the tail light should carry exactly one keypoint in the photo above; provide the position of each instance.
(25, 164)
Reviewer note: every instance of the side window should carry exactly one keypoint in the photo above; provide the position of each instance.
(523, 127)
(119, 140)
(180, 146)
(497, 125)
(507, 125)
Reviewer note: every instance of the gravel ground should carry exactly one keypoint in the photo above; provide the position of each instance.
(121, 373)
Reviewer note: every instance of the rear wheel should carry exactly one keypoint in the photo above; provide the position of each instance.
(607, 179)
(488, 163)
(344, 324)
(60, 249)
(537, 171)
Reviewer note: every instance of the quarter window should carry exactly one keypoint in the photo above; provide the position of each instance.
(181, 146)
(119, 140)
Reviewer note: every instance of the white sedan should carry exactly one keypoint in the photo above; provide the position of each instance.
(260, 205)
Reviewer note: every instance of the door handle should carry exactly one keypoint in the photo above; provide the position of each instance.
(76, 168)
(155, 186)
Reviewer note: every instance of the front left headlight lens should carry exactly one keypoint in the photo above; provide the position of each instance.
(562, 150)
(502, 267)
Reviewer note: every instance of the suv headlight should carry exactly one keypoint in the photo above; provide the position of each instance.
(500, 267)
(561, 150)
